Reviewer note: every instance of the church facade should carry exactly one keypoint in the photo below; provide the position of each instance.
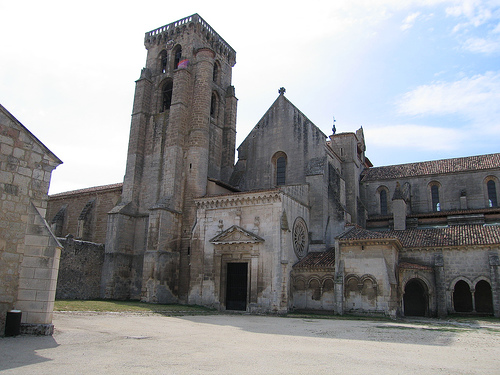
(302, 220)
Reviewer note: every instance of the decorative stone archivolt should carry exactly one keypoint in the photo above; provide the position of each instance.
(354, 283)
(460, 278)
(236, 235)
(326, 282)
(410, 275)
(300, 238)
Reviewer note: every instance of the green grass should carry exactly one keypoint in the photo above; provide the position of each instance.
(127, 306)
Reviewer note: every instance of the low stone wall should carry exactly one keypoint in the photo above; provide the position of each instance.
(80, 269)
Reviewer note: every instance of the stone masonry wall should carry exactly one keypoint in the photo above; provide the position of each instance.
(104, 199)
(80, 269)
(28, 255)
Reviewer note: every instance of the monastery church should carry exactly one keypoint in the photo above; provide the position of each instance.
(302, 219)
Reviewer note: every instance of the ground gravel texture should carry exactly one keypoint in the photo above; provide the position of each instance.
(127, 343)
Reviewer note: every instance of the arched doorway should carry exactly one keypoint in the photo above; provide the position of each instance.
(462, 297)
(483, 297)
(415, 298)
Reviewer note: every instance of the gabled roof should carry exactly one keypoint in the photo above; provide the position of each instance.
(276, 103)
(30, 134)
(464, 164)
(236, 234)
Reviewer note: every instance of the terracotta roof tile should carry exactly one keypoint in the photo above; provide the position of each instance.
(469, 163)
(457, 235)
(317, 260)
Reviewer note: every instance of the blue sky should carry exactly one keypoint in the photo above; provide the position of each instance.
(421, 77)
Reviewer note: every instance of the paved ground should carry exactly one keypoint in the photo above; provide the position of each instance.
(243, 344)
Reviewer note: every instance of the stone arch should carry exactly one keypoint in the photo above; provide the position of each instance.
(428, 284)
(462, 295)
(314, 285)
(216, 73)
(368, 285)
(163, 61)
(167, 87)
(491, 186)
(435, 196)
(279, 162)
(383, 200)
(351, 284)
(214, 105)
(328, 284)
(483, 296)
(299, 283)
(415, 297)
(177, 55)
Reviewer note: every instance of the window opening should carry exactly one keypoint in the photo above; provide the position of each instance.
(492, 194)
(213, 105)
(436, 206)
(177, 56)
(383, 202)
(415, 299)
(281, 171)
(166, 96)
(216, 73)
(163, 59)
(462, 297)
(483, 297)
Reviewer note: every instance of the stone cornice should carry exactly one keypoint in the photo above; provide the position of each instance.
(240, 199)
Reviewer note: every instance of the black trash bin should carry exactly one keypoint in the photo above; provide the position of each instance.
(13, 323)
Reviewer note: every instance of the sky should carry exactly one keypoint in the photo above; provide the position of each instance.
(422, 77)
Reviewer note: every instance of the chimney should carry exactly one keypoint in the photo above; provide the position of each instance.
(399, 208)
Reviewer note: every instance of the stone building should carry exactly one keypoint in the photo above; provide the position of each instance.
(83, 213)
(29, 252)
(302, 220)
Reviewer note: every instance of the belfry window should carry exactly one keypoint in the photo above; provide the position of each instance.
(492, 193)
(177, 56)
(281, 171)
(436, 206)
(166, 96)
(163, 61)
(383, 202)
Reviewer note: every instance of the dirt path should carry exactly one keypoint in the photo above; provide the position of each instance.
(243, 344)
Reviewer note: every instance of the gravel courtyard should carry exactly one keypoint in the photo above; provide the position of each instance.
(126, 343)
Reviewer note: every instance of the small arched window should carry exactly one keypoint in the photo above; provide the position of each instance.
(383, 202)
(492, 193)
(166, 96)
(177, 56)
(281, 171)
(436, 205)
(163, 61)
(216, 73)
(213, 105)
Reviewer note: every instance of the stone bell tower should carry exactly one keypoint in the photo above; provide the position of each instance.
(183, 132)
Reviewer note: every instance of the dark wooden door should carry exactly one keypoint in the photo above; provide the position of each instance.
(236, 286)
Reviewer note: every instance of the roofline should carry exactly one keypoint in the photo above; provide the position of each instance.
(14, 119)
(90, 190)
(367, 171)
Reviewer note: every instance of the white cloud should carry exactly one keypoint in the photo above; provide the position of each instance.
(474, 97)
(410, 21)
(482, 45)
